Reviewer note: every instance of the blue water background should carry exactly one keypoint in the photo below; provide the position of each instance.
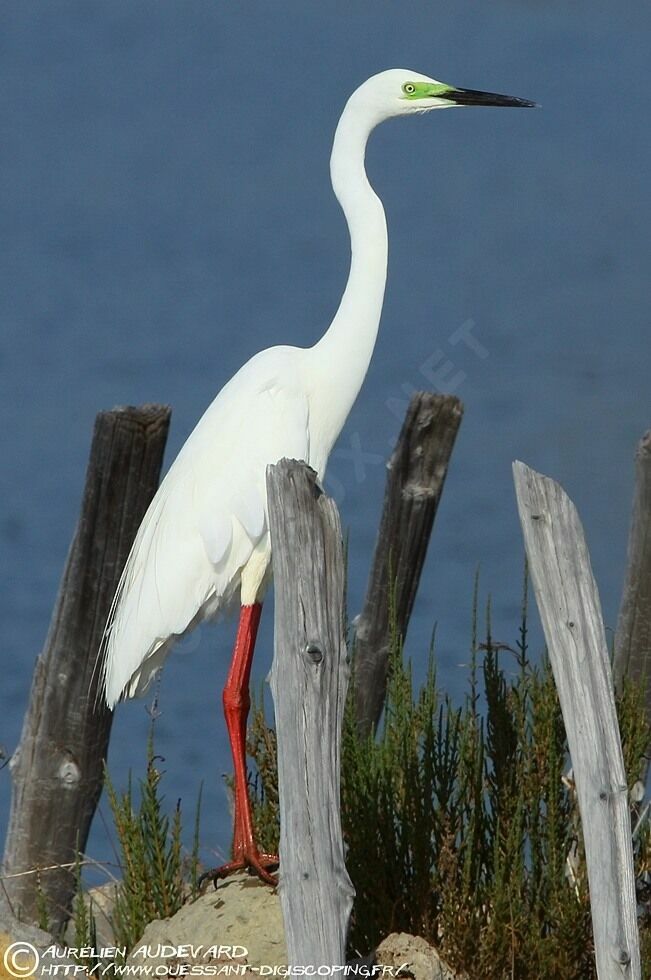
(166, 212)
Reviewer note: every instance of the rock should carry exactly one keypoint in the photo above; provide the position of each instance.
(23, 947)
(242, 916)
(415, 955)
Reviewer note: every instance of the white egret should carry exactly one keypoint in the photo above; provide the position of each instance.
(203, 544)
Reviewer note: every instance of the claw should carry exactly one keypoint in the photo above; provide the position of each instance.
(252, 861)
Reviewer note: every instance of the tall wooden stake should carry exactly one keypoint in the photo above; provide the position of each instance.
(308, 679)
(415, 476)
(57, 768)
(570, 611)
(633, 636)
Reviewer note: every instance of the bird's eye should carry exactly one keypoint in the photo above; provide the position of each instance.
(409, 88)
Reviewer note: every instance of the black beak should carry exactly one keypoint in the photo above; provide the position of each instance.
(468, 96)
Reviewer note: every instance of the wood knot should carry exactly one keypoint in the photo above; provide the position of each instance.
(623, 957)
(69, 773)
(314, 653)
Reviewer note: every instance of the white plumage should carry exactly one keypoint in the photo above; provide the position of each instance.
(205, 534)
(204, 541)
(207, 523)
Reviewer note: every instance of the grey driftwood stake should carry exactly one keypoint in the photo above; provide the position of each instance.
(633, 636)
(570, 610)
(57, 769)
(416, 473)
(308, 679)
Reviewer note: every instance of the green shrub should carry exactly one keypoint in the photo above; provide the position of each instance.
(154, 881)
(461, 823)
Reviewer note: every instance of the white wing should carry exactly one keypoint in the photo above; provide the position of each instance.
(206, 520)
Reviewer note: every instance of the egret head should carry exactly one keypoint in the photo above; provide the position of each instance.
(399, 92)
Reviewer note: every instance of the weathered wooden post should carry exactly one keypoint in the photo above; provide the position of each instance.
(57, 770)
(568, 602)
(416, 473)
(633, 636)
(308, 680)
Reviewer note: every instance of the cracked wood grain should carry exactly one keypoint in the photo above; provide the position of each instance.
(309, 679)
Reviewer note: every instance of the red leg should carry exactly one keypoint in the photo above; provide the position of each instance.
(236, 709)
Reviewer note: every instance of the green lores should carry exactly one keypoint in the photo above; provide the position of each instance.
(418, 91)
(425, 90)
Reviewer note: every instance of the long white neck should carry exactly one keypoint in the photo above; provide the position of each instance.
(340, 360)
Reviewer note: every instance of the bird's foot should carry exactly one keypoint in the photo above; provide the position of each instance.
(249, 859)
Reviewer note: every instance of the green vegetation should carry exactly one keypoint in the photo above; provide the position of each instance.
(83, 920)
(155, 878)
(461, 822)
